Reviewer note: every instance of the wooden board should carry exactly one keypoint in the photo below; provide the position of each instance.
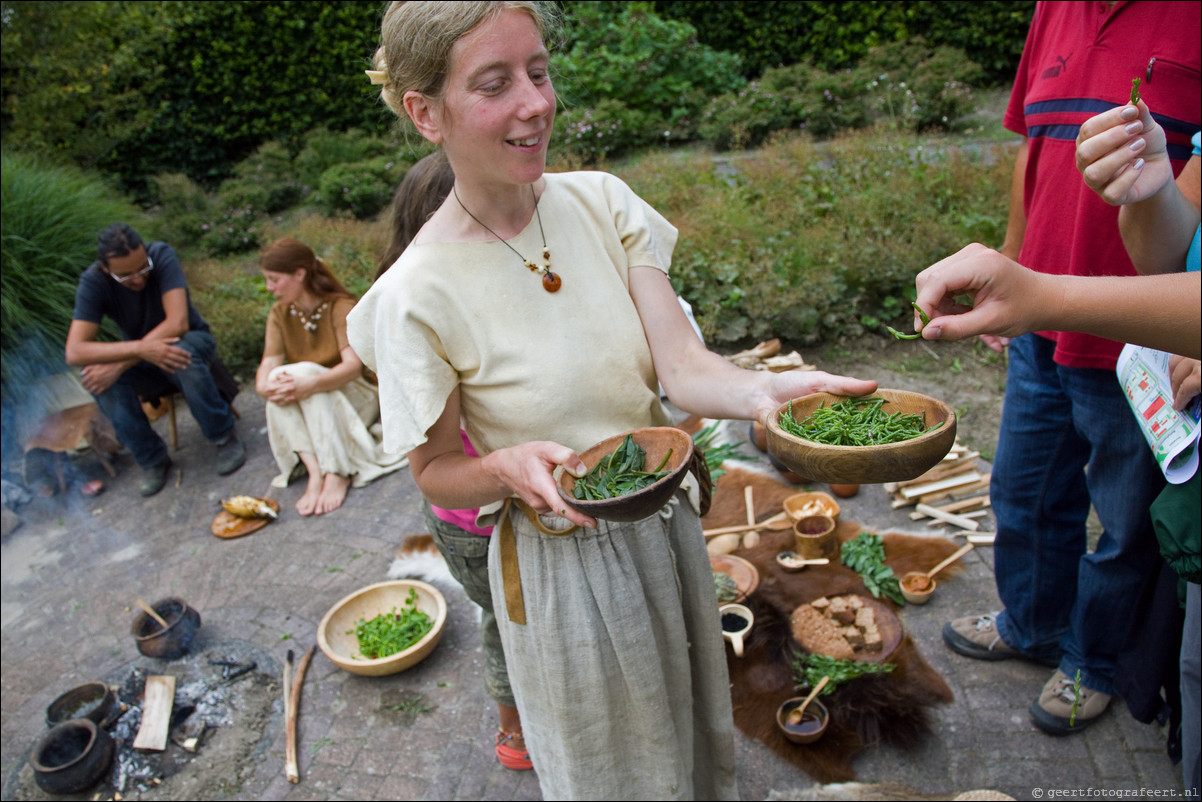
(228, 526)
(157, 701)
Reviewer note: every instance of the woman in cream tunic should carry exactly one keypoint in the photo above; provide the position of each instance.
(537, 308)
(320, 404)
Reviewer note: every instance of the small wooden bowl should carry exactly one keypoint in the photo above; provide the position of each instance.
(816, 502)
(336, 632)
(803, 733)
(743, 572)
(656, 441)
(917, 596)
(892, 462)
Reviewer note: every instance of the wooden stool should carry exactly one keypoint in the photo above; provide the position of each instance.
(165, 405)
(160, 401)
(69, 430)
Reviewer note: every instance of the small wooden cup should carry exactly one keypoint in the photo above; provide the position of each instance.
(815, 537)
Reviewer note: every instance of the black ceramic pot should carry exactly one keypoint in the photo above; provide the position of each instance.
(172, 642)
(92, 700)
(70, 757)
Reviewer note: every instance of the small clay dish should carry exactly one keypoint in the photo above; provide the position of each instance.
(790, 561)
(172, 642)
(92, 700)
(815, 502)
(814, 720)
(657, 442)
(910, 584)
(891, 462)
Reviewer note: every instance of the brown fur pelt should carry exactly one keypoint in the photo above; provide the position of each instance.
(891, 708)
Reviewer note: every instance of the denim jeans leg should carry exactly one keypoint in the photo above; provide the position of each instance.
(212, 413)
(121, 406)
(1123, 481)
(1040, 500)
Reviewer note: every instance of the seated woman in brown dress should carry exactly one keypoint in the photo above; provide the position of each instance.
(322, 405)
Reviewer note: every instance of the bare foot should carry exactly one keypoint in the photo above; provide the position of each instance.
(333, 493)
(307, 503)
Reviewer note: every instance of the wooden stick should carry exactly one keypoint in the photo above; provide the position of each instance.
(146, 608)
(767, 523)
(291, 768)
(944, 484)
(974, 514)
(289, 716)
(956, 520)
(982, 539)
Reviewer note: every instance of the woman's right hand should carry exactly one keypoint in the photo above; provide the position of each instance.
(1122, 154)
(527, 470)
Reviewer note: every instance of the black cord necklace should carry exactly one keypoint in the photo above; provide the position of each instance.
(551, 281)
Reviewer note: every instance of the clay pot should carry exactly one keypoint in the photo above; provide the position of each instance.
(910, 584)
(92, 700)
(174, 641)
(845, 491)
(70, 757)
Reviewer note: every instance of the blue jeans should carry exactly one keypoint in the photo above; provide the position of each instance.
(1068, 436)
(121, 405)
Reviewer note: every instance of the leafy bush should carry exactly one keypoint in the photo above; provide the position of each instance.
(182, 208)
(801, 240)
(324, 149)
(360, 188)
(629, 78)
(267, 180)
(52, 214)
(909, 84)
(236, 230)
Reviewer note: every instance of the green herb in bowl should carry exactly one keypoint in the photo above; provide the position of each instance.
(619, 473)
(856, 422)
(392, 632)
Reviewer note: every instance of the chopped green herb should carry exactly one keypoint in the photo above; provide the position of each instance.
(1134, 90)
(392, 632)
(856, 422)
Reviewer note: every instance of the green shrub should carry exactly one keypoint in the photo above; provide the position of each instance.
(52, 214)
(236, 230)
(267, 180)
(808, 241)
(182, 208)
(360, 188)
(324, 149)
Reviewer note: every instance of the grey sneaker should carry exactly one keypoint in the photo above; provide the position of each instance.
(1063, 709)
(154, 477)
(976, 636)
(230, 454)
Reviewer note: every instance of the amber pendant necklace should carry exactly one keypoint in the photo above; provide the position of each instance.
(551, 281)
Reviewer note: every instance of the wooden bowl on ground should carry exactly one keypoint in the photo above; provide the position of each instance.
(743, 572)
(657, 441)
(802, 505)
(892, 462)
(336, 632)
(910, 584)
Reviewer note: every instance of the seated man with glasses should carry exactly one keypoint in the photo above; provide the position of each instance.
(142, 288)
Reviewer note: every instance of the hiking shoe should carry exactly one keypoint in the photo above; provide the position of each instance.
(510, 756)
(154, 477)
(976, 636)
(230, 454)
(1053, 712)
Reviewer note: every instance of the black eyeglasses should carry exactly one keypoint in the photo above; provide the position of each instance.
(132, 276)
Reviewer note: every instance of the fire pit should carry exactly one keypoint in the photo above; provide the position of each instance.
(224, 717)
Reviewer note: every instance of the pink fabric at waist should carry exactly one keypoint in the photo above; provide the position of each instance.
(464, 519)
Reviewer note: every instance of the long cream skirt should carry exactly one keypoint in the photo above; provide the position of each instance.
(619, 672)
(338, 427)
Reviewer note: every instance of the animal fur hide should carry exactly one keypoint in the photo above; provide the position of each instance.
(891, 708)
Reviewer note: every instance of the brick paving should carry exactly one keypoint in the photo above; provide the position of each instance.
(73, 569)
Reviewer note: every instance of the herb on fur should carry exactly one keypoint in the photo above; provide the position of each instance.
(866, 556)
(808, 671)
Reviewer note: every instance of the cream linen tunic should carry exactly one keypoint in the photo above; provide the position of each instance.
(619, 672)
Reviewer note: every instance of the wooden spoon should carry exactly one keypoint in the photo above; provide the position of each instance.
(146, 608)
(776, 523)
(794, 717)
(960, 552)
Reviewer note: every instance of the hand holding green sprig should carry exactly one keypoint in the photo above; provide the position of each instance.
(925, 320)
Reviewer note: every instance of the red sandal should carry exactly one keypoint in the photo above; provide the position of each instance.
(511, 757)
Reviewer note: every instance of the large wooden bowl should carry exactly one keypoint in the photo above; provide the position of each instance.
(336, 632)
(894, 462)
(657, 441)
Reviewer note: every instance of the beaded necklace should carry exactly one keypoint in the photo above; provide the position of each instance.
(551, 281)
(309, 322)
